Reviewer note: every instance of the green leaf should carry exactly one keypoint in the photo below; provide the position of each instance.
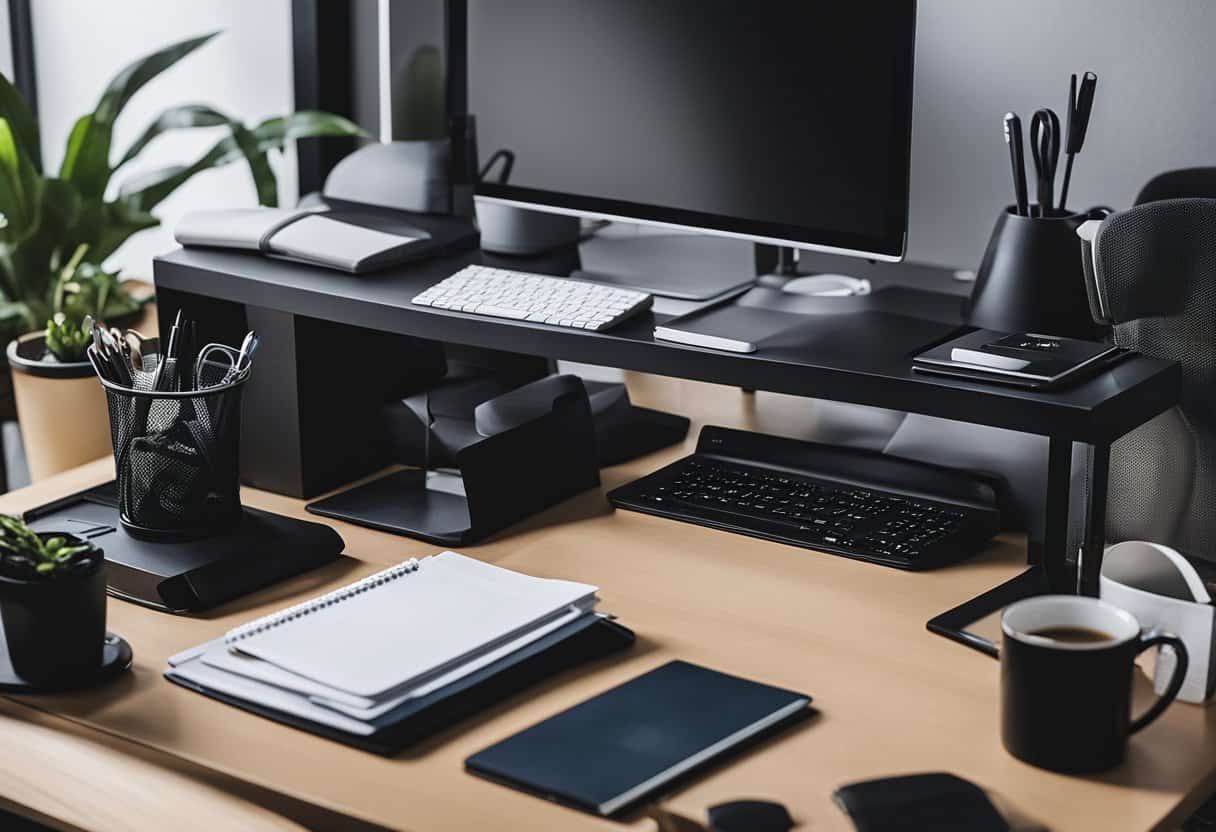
(45, 568)
(273, 133)
(131, 79)
(264, 181)
(175, 118)
(13, 197)
(16, 112)
(119, 221)
(86, 162)
(146, 191)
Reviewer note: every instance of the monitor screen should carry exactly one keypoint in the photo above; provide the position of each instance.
(779, 121)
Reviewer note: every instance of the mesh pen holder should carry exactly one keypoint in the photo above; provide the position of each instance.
(177, 454)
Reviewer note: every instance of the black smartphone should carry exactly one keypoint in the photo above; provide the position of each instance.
(916, 802)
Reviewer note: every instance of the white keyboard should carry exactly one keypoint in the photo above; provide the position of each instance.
(500, 293)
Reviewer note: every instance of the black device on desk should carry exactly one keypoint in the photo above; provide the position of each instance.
(610, 752)
(846, 501)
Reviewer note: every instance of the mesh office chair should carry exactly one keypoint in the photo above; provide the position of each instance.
(1151, 274)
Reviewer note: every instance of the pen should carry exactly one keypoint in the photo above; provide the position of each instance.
(1080, 105)
(159, 381)
(1013, 138)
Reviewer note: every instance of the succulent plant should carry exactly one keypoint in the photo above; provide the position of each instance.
(25, 554)
(67, 337)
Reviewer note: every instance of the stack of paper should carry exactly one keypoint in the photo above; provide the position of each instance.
(354, 658)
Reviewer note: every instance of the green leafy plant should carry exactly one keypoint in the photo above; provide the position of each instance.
(48, 218)
(24, 554)
(68, 337)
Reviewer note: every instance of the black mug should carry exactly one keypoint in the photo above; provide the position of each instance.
(1066, 681)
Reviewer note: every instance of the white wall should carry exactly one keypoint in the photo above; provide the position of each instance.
(246, 72)
(6, 44)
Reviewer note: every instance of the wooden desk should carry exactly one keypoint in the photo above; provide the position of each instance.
(891, 697)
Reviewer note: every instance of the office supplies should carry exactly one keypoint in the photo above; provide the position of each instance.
(581, 641)
(629, 742)
(407, 624)
(305, 235)
(1045, 150)
(175, 438)
(851, 502)
(1080, 107)
(1026, 359)
(365, 661)
(915, 802)
(166, 368)
(501, 478)
(1066, 681)
(190, 575)
(536, 298)
(1165, 591)
(839, 613)
(1017, 162)
(1029, 279)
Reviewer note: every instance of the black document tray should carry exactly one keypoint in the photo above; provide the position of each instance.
(576, 643)
(192, 575)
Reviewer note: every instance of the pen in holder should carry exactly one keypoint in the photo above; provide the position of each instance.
(177, 454)
(1031, 279)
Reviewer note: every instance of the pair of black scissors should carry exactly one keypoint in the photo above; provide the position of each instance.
(1045, 149)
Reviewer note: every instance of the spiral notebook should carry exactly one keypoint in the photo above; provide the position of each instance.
(406, 626)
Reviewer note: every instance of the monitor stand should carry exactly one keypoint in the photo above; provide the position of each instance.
(786, 277)
(689, 268)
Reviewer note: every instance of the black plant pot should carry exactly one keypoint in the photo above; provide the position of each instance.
(1031, 279)
(55, 628)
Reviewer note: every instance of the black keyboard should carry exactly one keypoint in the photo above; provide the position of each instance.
(856, 503)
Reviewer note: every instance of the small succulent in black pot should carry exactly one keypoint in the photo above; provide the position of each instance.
(52, 604)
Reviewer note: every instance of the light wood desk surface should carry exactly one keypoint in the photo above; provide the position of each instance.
(891, 698)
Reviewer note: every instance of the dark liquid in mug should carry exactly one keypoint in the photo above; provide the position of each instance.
(1073, 635)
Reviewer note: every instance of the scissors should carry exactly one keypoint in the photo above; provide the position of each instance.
(223, 357)
(132, 344)
(1045, 148)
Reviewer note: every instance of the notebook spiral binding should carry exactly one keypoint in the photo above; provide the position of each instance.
(269, 622)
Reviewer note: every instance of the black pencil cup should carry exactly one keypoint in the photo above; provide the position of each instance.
(1031, 280)
(177, 454)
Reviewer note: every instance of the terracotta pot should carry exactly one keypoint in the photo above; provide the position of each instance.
(61, 408)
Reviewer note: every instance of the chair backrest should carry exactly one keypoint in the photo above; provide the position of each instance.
(1153, 278)
(1179, 184)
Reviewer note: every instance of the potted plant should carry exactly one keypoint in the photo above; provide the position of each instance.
(52, 604)
(57, 229)
(61, 406)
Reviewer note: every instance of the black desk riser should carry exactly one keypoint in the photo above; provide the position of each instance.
(304, 438)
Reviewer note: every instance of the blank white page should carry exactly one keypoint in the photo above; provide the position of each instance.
(449, 610)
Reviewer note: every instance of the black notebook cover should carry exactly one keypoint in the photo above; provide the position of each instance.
(611, 751)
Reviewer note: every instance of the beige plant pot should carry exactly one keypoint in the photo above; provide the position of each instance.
(61, 409)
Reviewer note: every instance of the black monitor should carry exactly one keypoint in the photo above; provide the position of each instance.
(781, 122)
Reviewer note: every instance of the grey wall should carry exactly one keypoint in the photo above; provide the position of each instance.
(975, 59)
